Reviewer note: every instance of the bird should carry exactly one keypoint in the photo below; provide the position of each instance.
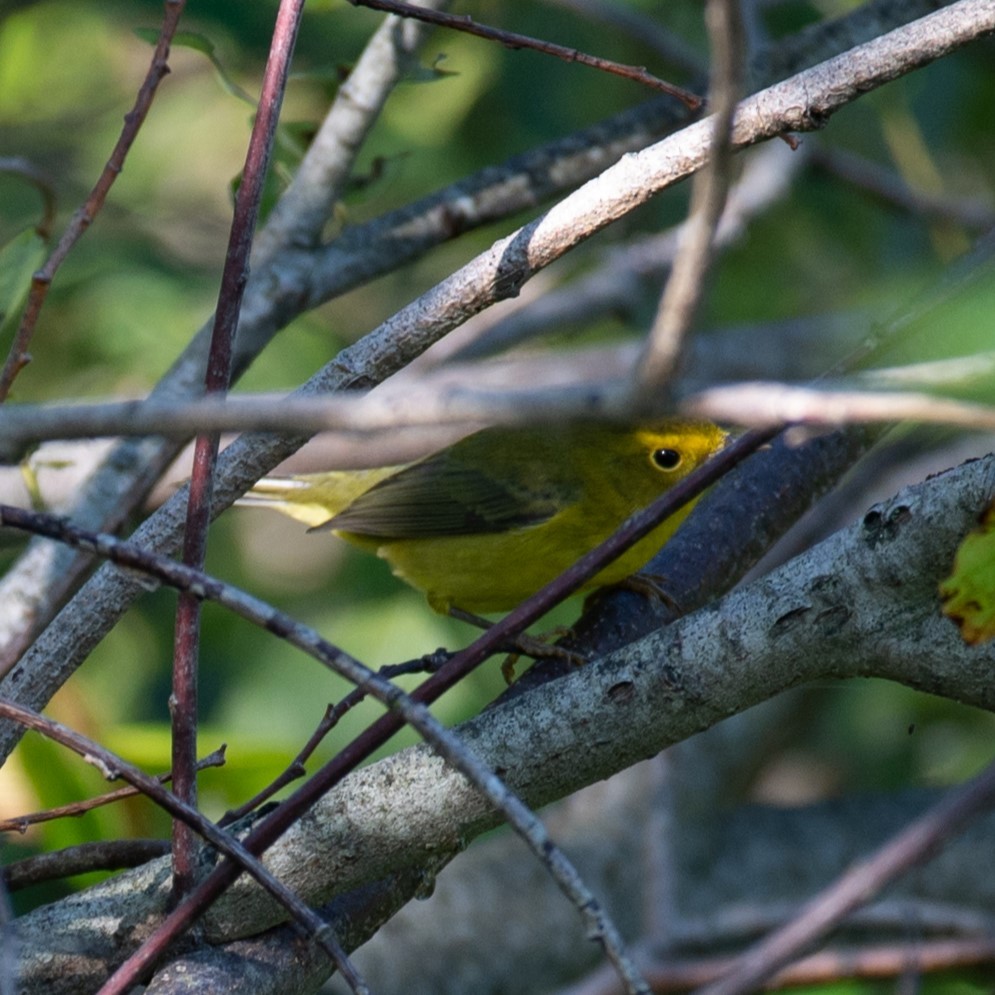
(486, 522)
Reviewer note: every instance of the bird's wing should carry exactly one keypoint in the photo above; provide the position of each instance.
(441, 496)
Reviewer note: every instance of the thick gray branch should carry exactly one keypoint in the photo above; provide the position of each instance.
(862, 603)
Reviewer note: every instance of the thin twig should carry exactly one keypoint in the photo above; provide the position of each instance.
(881, 961)
(105, 855)
(112, 766)
(235, 275)
(976, 213)
(421, 405)
(686, 285)
(18, 356)
(762, 403)
(333, 715)
(914, 844)
(20, 823)
(512, 40)
(740, 924)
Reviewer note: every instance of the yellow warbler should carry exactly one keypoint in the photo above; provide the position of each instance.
(486, 522)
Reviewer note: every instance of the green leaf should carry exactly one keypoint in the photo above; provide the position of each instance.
(430, 74)
(19, 259)
(201, 43)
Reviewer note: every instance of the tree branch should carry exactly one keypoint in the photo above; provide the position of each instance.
(861, 603)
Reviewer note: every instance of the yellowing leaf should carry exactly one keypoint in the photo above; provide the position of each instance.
(968, 594)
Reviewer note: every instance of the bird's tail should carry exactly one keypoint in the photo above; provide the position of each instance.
(313, 498)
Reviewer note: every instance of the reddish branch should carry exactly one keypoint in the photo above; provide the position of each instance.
(19, 357)
(462, 22)
(183, 701)
(884, 961)
(914, 844)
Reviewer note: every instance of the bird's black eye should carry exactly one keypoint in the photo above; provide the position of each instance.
(667, 459)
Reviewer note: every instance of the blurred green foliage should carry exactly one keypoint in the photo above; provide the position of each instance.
(943, 985)
(145, 276)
